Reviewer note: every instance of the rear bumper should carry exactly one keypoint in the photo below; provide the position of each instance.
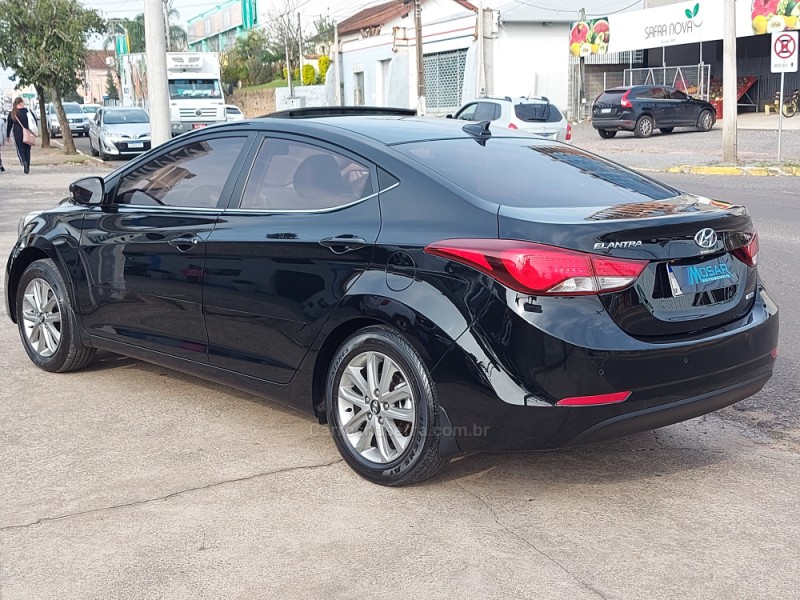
(614, 124)
(501, 381)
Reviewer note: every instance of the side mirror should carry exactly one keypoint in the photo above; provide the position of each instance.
(89, 190)
(449, 117)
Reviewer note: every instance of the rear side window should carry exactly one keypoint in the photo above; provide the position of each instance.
(611, 97)
(523, 172)
(537, 113)
(651, 94)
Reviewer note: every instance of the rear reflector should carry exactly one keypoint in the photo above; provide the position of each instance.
(569, 132)
(512, 126)
(540, 269)
(614, 398)
(774, 352)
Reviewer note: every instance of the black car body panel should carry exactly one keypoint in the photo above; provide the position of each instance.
(260, 298)
(667, 106)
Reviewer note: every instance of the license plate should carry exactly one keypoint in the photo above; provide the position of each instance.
(198, 125)
(135, 144)
(702, 277)
(605, 110)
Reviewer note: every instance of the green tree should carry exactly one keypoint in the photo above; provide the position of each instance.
(133, 29)
(323, 39)
(309, 75)
(324, 65)
(249, 61)
(44, 43)
(111, 86)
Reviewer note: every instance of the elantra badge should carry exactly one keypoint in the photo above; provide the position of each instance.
(615, 245)
(706, 238)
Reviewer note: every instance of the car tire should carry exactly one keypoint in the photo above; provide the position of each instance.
(705, 121)
(92, 151)
(606, 134)
(666, 130)
(388, 450)
(644, 127)
(46, 321)
(103, 156)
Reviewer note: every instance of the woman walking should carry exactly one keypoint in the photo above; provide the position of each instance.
(17, 121)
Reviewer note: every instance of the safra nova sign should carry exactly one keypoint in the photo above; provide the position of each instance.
(682, 23)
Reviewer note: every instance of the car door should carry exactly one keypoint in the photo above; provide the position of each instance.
(279, 263)
(683, 107)
(663, 110)
(145, 246)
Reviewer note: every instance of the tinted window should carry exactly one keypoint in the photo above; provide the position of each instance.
(232, 110)
(537, 113)
(611, 97)
(655, 93)
(486, 111)
(528, 173)
(191, 176)
(678, 95)
(116, 117)
(290, 175)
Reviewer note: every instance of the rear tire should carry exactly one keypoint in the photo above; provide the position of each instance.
(644, 127)
(667, 129)
(382, 409)
(46, 322)
(705, 121)
(606, 134)
(789, 109)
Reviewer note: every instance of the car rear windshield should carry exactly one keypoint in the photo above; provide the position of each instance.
(116, 117)
(523, 172)
(611, 97)
(537, 113)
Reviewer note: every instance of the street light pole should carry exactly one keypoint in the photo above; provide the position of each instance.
(421, 105)
(157, 83)
(730, 95)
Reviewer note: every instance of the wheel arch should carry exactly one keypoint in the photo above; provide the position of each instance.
(25, 258)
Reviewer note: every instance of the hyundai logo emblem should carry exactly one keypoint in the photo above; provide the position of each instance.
(706, 238)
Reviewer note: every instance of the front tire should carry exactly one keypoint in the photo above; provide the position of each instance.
(705, 121)
(644, 127)
(45, 320)
(606, 134)
(382, 409)
(92, 151)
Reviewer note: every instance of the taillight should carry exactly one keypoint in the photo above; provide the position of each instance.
(748, 253)
(512, 126)
(599, 400)
(624, 102)
(569, 131)
(539, 269)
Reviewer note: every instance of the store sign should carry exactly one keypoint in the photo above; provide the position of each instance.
(682, 23)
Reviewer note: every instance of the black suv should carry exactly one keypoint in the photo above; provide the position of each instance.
(643, 108)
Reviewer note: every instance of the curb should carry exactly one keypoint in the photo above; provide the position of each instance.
(738, 171)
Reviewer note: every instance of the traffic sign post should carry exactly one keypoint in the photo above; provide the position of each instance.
(784, 60)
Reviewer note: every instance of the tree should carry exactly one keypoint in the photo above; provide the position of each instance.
(249, 61)
(323, 39)
(133, 29)
(111, 86)
(44, 43)
(283, 31)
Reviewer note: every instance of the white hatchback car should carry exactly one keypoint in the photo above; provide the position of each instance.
(532, 115)
(234, 113)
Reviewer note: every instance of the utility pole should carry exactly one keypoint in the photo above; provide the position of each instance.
(421, 105)
(481, 83)
(730, 94)
(338, 91)
(288, 62)
(581, 91)
(157, 85)
(300, 47)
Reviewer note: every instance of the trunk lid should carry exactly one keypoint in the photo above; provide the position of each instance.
(686, 287)
(608, 104)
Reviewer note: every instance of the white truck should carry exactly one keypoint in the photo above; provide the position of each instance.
(195, 88)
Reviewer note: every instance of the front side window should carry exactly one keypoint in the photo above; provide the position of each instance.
(678, 95)
(290, 175)
(468, 112)
(194, 88)
(190, 176)
(486, 111)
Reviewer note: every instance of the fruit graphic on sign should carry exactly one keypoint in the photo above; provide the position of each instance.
(589, 37)
(769, 16)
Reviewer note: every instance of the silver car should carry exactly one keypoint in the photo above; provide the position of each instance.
(532, 115)
(119, 131)
(77, 119)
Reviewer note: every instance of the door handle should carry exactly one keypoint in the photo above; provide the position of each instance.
(185, 242)
(343, 243)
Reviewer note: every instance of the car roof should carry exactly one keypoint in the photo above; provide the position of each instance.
(387, 129)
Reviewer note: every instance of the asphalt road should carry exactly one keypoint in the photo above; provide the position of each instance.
(128, 480)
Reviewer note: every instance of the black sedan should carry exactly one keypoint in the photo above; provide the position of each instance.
(424, 286)
(645, 108)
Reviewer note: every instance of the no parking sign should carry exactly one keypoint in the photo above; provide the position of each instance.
(784, 52)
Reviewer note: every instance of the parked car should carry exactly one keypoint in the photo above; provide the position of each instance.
(119, 131)
(644, 108)
(425, 286)
(532, 115)
(234, 113)
(53, 126)
(91, 109)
